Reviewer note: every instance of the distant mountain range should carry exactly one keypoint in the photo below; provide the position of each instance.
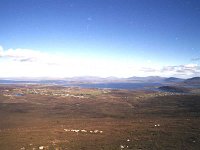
(195, 80)
(92, 79)
(173, 79)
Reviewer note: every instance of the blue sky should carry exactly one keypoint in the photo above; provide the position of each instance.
(100, 37)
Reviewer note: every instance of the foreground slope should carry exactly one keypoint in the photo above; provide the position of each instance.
(52, 117)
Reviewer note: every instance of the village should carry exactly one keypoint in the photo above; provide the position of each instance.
(74, 92)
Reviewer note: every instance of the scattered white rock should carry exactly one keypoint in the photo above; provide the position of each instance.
(83, 130)
(41, 147)
(23, 148)
(157, 125)
(122, 146)
(74, 130)
(128, 140)
(96, 131)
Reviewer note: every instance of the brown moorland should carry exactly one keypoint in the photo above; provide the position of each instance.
(51, 117)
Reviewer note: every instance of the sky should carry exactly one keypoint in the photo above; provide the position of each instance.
(121, 38)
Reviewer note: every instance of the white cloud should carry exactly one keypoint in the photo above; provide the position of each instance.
(188, 70)
(32, 63)
(25, 55)
(1, 50)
